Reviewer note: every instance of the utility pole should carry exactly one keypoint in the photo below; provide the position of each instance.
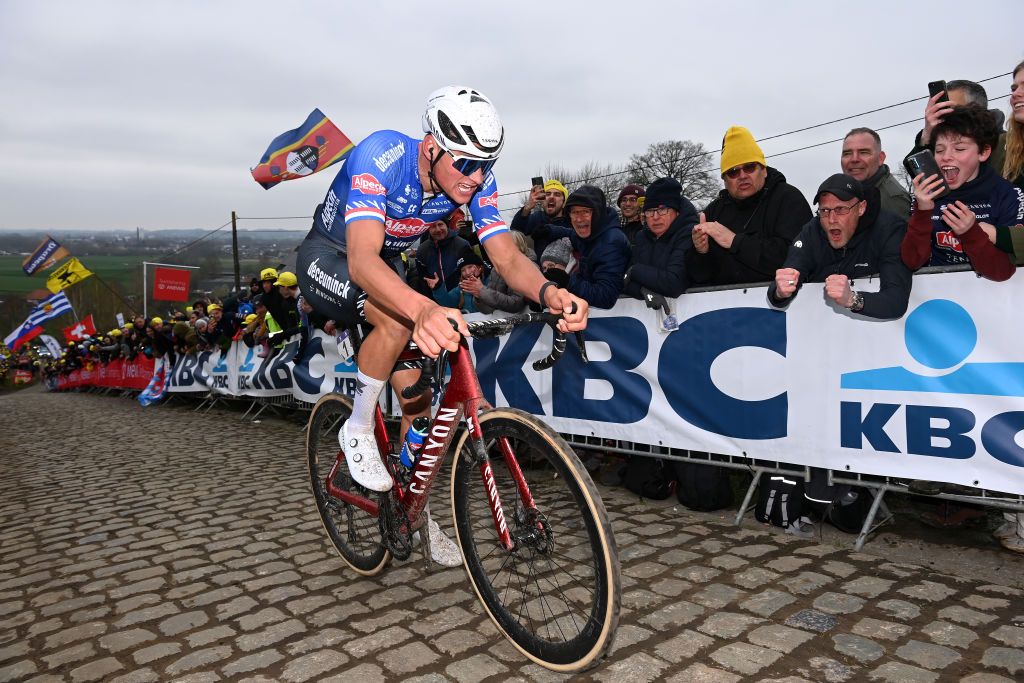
(234, 248)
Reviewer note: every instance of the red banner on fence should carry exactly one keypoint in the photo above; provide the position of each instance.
(170, 284)
(117, 374)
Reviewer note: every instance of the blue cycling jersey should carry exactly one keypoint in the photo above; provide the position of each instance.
(380, 181)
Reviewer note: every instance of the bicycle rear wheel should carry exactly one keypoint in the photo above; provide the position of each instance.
(556, 594)
(354, 532)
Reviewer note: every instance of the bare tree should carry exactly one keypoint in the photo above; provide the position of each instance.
(608, 177)
(686, 161)
(904, 179)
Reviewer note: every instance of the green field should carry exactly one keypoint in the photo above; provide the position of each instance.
(122, 270)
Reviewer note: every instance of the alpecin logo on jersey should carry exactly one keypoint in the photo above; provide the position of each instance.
(488, 200)
(367, 184)
(949, 240)
(405, 227)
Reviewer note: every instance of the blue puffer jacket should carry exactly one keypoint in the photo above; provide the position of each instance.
(603, 256)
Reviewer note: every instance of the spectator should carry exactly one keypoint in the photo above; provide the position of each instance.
(1013, 166)
(436, 258)
(745, 232)
(599, 247)
(851, 238)
(629, 207)
(496, 295)
(864, 160)
(959, 93)
(537, 224)
(657, 268)
(950, 231)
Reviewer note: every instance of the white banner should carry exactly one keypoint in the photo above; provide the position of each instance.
(938, 394)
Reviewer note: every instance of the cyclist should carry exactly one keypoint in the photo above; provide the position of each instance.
(389, 191)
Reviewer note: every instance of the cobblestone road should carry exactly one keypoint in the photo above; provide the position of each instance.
(157, 544)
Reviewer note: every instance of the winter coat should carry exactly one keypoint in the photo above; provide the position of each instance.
(658, 264)
(874, 248)
(765, 225)
(440, 258)
(498, 296)
(895, 198)
(602, 257)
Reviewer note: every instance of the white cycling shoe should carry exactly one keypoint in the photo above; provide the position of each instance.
(442, 549)
(364, 462)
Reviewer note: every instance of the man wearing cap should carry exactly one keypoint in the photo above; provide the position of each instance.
(852, 238)
(436, 257)
(864, 160)
(535, 224)
(744, 233)
(658, 262)
(629, 208)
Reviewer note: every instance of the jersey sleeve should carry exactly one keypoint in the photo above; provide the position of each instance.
(487, 220)
(367, 191)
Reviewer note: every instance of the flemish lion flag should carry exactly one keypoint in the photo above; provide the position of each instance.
(311, 147)
(68, 274)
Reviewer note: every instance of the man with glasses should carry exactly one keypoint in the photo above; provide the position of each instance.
(744, 233)
(851, 238)
(349, 266)
(657, 267)
(600, 247)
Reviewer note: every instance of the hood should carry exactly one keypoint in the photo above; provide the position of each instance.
(605, 217)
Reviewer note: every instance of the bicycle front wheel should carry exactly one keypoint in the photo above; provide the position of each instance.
(556, 594)
(354, 533)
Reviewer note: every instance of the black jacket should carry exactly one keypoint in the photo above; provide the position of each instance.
(874, 248)
(659, 263)
(765, 225)
(537, 226)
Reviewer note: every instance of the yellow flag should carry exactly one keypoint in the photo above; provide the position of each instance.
(68, 274)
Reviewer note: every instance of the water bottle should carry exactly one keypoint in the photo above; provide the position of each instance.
(414, 441)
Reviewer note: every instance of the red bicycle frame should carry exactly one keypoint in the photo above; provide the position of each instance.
(462, 399)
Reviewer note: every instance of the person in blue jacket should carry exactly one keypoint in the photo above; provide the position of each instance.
(600, 247)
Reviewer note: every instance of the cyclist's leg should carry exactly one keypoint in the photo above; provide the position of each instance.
(326, 285)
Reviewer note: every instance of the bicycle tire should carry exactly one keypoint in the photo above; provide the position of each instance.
(588, 597)
(353, 532)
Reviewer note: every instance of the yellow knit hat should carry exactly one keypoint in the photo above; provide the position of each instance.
(555, 185)
(739, 148)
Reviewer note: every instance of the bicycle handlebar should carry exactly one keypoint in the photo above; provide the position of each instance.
(480, 329)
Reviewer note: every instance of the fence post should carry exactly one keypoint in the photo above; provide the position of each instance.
(234, 249)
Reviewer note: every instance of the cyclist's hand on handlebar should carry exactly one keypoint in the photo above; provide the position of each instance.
(433, 330)
(573, 309)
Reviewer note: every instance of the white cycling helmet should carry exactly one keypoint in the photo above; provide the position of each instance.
(464, 122)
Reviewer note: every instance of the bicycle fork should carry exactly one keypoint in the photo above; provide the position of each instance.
(483, 461)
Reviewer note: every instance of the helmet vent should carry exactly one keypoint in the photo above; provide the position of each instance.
(448, 129)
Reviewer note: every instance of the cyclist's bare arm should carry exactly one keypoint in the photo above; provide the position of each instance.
(431, 329)
(522, 275)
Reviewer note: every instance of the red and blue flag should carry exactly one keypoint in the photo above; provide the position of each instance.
(311, 147)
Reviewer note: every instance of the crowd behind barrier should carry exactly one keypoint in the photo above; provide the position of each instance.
(862, 375)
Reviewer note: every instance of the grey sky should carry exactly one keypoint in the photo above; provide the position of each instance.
(124, 114)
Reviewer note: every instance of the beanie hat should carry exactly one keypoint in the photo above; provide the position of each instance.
(664, 192)
(632, 188)
(154, 321)
(738, 148)
(468, 257)
(555, 185)
(559, 251)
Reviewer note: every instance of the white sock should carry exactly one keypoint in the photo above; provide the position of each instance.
(365, 401)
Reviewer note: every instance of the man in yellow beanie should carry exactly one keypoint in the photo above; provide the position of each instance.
(744, 234)
(550, 198)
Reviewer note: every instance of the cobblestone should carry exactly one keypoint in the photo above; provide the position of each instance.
(171, 575)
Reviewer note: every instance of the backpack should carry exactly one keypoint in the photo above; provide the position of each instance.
(780, 499)
(648, 477)
(702, 487)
